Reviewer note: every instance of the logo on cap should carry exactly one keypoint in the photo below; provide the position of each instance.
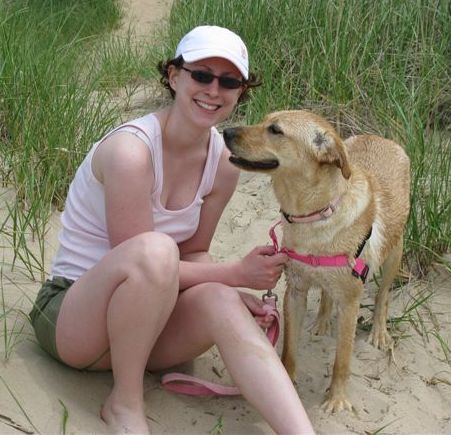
(243, 52)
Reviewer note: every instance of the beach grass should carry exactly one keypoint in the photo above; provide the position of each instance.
(369, 67)
(18, 402)
(54, 104)
(218, 428)
(65, 417)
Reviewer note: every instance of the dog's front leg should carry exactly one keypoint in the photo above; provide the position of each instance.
(379, 336)
(322, 322)
(348, 300)
(294, 307)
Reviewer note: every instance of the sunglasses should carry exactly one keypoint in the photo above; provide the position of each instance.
(206, 77)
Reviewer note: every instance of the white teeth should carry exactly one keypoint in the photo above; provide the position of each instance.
(206, 106)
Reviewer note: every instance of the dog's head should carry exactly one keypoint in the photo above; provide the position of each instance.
(287, 142)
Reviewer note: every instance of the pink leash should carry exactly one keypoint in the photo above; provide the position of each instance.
(192, 386)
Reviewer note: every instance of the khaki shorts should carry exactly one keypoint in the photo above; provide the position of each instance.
(45, 312)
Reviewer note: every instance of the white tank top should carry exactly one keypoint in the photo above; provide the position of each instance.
(84, 238)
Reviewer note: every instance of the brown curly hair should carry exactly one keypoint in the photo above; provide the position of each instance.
(163, 68)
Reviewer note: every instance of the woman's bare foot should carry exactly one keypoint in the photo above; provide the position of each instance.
(124, 419)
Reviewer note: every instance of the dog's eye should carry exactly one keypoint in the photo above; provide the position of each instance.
(275, 129)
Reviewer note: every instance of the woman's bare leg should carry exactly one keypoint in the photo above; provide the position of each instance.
(215, 314)
(122, 304)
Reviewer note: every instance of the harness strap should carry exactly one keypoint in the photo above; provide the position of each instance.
(317, 260)
(362, 245)
(359, 270)
(192, 386)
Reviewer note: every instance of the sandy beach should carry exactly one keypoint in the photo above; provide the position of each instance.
(406, 391)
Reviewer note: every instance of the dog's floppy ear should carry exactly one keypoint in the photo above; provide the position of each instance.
(331, 149)
(341, 158)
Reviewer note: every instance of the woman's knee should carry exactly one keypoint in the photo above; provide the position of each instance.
(154, 257)
(216, 298)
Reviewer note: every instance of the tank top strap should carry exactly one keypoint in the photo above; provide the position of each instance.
(147, 128)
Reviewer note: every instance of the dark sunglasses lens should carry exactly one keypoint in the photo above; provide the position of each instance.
(224, 82)
(202, 76)
(229, 82)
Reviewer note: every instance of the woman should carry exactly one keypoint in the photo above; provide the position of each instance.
(132, 285)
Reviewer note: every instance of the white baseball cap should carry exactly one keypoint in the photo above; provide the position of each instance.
(213, 41)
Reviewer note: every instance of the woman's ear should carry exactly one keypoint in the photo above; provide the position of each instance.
(173, 73)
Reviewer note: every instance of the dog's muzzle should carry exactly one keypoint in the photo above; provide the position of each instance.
(249, 164)
(230, 136)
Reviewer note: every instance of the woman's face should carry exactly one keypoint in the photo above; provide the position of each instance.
(206, 104)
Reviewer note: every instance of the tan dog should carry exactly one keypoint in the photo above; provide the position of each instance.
(336, 195)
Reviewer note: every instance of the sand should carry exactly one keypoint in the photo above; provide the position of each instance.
(407, 391)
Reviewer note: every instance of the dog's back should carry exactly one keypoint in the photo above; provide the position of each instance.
(389, 168)
(384, 159)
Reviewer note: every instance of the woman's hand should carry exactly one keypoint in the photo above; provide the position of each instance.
(255, 306)
(262, 267)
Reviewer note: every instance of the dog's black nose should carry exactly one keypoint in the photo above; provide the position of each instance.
(229, 134)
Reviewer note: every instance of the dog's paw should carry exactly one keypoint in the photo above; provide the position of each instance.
(380, 338)
(336, 403)
(321, 327)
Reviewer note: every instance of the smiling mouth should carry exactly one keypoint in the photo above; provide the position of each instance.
(250, 164)
(206, 106)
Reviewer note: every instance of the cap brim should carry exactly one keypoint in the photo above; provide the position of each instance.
(196, 55)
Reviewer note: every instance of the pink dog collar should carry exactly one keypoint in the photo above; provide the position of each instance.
(325, 213)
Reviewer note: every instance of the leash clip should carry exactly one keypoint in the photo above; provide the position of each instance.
(270, 295)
